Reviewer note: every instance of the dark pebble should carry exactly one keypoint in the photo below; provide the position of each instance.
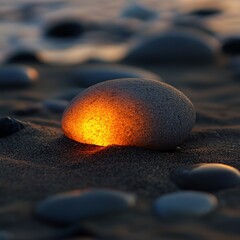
(176, 45)
(9, 125)
(23, 56)
(138, 11)
(231, 46)
(205, 12)
(89, 75)
(207, 177)
(64, 29)
(17, 76)
(72, 207)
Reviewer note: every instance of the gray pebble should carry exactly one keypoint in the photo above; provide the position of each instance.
(89, 75)
(207, 177)
(130, 112)
(176, 45)
(72, 207)
(185, 204)
(17, 76)
(140, 12)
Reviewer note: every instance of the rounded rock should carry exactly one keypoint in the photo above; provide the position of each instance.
(185, 204)
(186, 45)
(130, 112)
(23, 56)
(138, 11)
(17, 76)
(231, 46)
(72, 207)
(9, 125)
(64, 29)
(205, 12)
(207, 177)
(89, 75)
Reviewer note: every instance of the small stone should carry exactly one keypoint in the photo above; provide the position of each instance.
(23, 56)
(89, 75)
(68, 94)
(176, 45)
(130, 112)
(185, 204)
(17, 76)
(64, 29)
(9, 125)
(138, 11)
(231, 46)
(55, 105)
(205, 12)
(72, 207)
(207, 177)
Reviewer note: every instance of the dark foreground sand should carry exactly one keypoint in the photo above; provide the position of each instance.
(39, 161)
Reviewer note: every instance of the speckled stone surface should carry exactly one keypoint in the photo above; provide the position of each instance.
(130, 112)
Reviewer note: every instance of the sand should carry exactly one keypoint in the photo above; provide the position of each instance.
(39, 161)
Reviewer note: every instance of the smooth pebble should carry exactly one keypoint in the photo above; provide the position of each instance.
(9, 125)
(17, 76)
(207, 177)
(176, 45)
(23, 56)
(205, 12)
(72, 207)
(139, 12)
(185, 204)
(231, 45)
(130, 112)
(89, 75)
(64, 29)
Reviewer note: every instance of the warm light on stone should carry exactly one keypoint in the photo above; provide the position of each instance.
(129, 112)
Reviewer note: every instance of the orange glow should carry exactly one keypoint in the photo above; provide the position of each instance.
(102, 121)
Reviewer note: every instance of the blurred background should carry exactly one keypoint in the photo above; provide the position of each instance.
(73, 31)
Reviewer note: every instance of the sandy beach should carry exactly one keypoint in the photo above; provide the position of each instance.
(38, 161)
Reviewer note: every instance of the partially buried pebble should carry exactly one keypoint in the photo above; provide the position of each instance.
(207, 177)
(91, 74)
(17, 76)
(9, 126)
(130, 112)
(175, 45)
(74, 206)
(185, 204)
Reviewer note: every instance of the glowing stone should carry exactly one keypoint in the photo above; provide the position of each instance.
(130, 112)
